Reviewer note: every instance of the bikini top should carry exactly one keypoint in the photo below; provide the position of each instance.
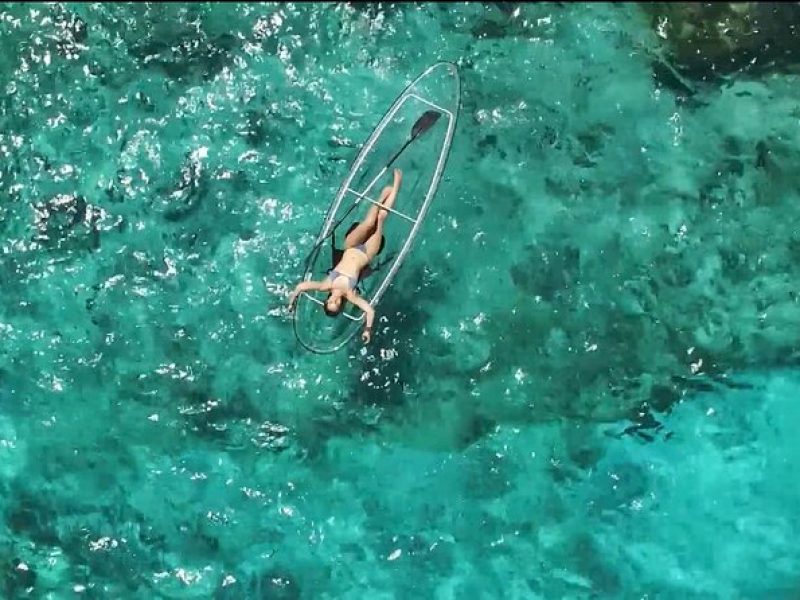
(352, 282)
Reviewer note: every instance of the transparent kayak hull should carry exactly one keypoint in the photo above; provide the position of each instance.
(422, 162)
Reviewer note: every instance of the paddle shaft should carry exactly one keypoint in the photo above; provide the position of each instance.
(381, 174)
(398, 153)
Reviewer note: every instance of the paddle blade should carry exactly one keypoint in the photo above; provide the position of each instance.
(422, 125)
(425, 122)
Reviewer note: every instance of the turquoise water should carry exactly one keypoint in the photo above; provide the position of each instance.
(583, 381)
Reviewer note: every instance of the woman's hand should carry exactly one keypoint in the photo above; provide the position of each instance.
(300, 287)
(307, 286)
(368, 311)
(292, 300)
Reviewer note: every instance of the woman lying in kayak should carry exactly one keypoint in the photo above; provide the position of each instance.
(364, 241)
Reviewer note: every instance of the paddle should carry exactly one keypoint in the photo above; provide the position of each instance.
(421, 125)
(425, 122)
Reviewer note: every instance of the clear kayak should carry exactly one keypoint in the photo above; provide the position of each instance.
(415, 136)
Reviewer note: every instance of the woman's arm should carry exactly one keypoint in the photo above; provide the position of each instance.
(368, 311)
(307, 286)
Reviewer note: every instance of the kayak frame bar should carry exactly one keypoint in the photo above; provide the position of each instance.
(432, 105)
(321, 303)
(376, 203)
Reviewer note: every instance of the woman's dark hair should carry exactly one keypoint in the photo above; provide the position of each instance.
(333, 313)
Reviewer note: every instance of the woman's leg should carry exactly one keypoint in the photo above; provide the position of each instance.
(373, 243)
(367, 228)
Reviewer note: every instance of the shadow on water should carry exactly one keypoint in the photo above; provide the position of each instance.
(172, 39)
(385, 394)
(377, 378)
(391, 362)
(708, 41)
